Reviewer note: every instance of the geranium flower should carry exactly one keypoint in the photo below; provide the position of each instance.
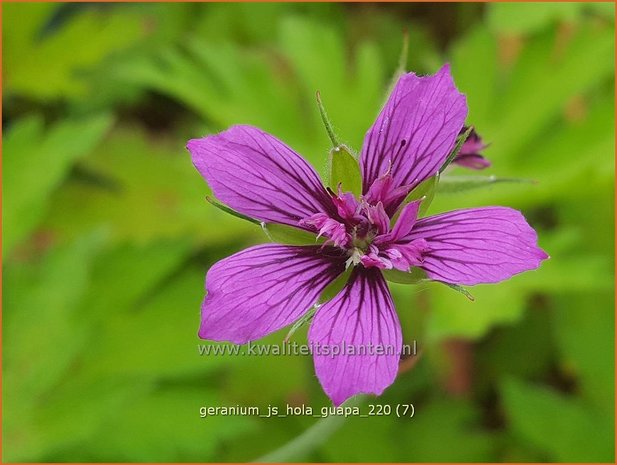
(469, 156)
(267, 287)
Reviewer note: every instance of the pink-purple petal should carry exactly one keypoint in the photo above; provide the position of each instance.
(404, 223)
(415, 131)
(408, 254)
(378, 217)
(265, 288)
(469, 156)
(473, 144)
(473, 161)
(258, 175)
(346, 204)
(361, 316)
(385, 191)
(478, 245)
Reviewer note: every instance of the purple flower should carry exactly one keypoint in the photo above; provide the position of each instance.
(469, 156)
(267, 287)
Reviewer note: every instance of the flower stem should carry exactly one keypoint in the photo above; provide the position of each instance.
(311, 438)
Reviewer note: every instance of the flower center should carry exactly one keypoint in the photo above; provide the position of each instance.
(361, 227)
(354, 228)
(362, 241)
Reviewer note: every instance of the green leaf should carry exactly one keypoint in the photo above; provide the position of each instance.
(169, 425)
(164, 201)
(586, 344)
(50, 427)
(536, 77)
(480, 47)
(36, 161)
(345, 170)
(231, 211)
(225, 83)
(124, 348)
(284, 234)
(529, 17)
(452, 316)
(563, 427)
(425, 191)
(457, 148)
(455, 422)
(145, 266)
(524, 350)
(415, 276)
(456, 184)
(567, 272)
(40, 306)
(321, 60)
(47, 50)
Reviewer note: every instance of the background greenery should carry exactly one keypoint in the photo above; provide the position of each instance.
(107, 237)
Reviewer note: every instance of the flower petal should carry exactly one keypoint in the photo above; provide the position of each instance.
(415, 132)
(360, 323)
(404, 256)
(473, 161)
(403, 225)
(259, 176)
(378, 217)
(478, 245)
(474, 143)
(469, 156)
(264, 288)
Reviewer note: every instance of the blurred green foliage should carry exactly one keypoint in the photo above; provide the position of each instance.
(107, 235)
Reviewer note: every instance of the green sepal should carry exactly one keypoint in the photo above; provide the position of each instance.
(456, 184)
(425, 191)
(457, 148)
(306, 318)
(343, 168)
(415, 276)
(460, 289)
(231, 211)
(284, 234)
(335, 286)
(326, 122)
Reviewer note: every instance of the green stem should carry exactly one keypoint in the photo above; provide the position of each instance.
(311, 438)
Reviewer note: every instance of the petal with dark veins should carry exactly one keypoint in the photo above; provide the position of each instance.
(477, 245)
(265, 288)
(259, 176)
(362, 323)
(415, 132)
